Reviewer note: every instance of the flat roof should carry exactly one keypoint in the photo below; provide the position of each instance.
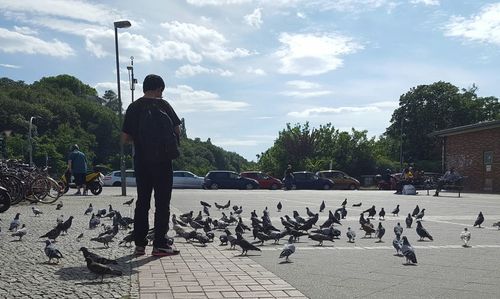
(485, 125)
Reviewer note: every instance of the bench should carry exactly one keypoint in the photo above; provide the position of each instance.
(457, 186)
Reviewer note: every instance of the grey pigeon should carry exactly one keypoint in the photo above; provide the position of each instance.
(479, 220)
(408, 221)
(245, 245)
(80, 236)
(59, 206)
(206, 211)
(408, 251)
(422, 232)
(309, 213)
(52, 252)
(15, 223)
(381, 214)
(369, 230)
(96, 258)
(53, 233)
(20, 232)
(395, 212)
(100, 269)
(288, 249)
(420, 215)
(415, 211)
(398, 229)
(205, 204)
(497, 224)
(465, 236)
(357, 204)
(344, 203)
(397, 243)
(279, 206)
(128, 202)
(128, 239)
(36, 211)
(322, 207)
(106, 239)
(89, 209)
(380, 232)
(67, 224)
(371, 212)
(94, 221)
(351, 235)
(320, 238)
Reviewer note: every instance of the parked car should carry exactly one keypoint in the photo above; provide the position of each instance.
(308, 180)
(223, 179)
(341, 179)
(114, 178)
(265, 181)
(186, 179)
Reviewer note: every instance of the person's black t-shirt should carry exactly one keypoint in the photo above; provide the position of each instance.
(132, 117)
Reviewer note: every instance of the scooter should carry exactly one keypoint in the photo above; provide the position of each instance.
(93, 182)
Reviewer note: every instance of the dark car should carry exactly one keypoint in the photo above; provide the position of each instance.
(223, 179)
(340, 178)
(308, 180)
(265, 181)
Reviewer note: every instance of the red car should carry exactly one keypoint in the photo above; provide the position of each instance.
(265, 181)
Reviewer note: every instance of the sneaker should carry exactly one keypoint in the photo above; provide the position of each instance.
(139, 250)
(164, 251)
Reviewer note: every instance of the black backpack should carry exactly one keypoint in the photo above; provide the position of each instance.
(157, 139)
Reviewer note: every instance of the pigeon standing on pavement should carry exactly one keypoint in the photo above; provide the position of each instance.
(15, 223)
(415, 211)
(96, 258)
(395, 212)
(422, 232)
(322, 206)
(409, 221)
(381, 214)
(479, 220)
(20, 232)
(351, 235)
(80, 236)
(94, 221)
(66, 225)
(497, 224)
(279, 206)
(59, 206)
(106, 239)
(465, 236)
(397, 243)
(100, 269)
(89, 209)
(408, 251)
(344, 203)
(380, 232)
(371, 212)
(245, 245)
(36, 211)
(53, 233)
(398, 229)
(206, 211)
(52, 252)
(288, 249)
(420, 215)
(357, 204)
(129, 202)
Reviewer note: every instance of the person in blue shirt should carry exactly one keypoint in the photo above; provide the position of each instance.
(77, 164)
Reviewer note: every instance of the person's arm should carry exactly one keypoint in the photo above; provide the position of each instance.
(69, 165)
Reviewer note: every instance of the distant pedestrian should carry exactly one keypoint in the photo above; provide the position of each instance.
(77, 165)
(152, 125)
(288, 177)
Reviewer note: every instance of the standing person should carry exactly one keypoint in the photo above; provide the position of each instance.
(77, 165)
(288, 177)
(151, 124)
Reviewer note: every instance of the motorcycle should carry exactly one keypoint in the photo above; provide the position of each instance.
(93, 182)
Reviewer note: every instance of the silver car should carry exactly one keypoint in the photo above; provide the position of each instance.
(186, 179)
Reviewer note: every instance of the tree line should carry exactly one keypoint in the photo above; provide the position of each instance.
(69, 111)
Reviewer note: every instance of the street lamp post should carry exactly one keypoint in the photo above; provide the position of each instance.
(132, 81)
(30, 141)
(120, 24)
(401, 145)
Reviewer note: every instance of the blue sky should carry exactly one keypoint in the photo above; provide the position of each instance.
(239, 70)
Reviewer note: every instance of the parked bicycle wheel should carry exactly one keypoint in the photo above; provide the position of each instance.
(53, 191)
(14, 186)
(4, 200)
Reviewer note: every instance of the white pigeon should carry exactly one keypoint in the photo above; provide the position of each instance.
(465, 236)
(288, 249)
(351, 235)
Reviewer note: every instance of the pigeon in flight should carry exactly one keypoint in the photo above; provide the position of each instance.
(100, 269)
(129, 202)
(36, 211)
(395, 212)
(322, 207)
(465, 236)
(279, 206)
(409, 221)
(351, 235)
(408, 251)
(20, 232)
(415, 211)
(52, 252)
(479, 220)
(288, 249)
(89, 209)
(422, 232)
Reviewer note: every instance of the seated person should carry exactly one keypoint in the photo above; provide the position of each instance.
(406, 178)
(450, 177)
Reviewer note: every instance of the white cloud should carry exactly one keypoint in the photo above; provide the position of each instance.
(255, 18)
(425, 2)
(25, 30)
(9, 66)
(189, 70)
(300, 84)
(216, 2)
(313, 54)
(256, 71)
(14, 42)
(483, 27)
(328, 111)
(206, 41)
(301, 15)
(305, 94)
(186, 99)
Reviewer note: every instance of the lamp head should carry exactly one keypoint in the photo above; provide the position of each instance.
(122, 24)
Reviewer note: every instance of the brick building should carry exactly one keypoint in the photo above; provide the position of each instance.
(474, 151)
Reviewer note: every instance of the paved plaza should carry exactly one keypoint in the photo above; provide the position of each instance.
(338, 269)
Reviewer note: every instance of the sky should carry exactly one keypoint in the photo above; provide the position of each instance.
(239, 70)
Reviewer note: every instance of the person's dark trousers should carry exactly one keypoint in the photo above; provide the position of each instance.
(440, 185)
(158, 177)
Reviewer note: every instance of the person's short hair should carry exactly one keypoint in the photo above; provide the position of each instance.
(153, 82)
(75, 147)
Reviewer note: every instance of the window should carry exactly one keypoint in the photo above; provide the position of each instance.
(178, 174)
(117, 174)
(488, 158)
(188, 175)
(233, 175)
(130, 174)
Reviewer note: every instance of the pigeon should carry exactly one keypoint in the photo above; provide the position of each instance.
(357, 204)
(288, 249)
(59, 206)
(279, 206)
(223, 207)
(320, 238)
(398, 229)
(101, 212)
(395, 212)
(351, 235)
(309, 213)
(53, 233)
(422, 232)
(80, 236)
(420, 215)
(309, 223)
(362, 220)
(20, 232)
(129, 202)
(371, 212)
(96, 258)
(497, 224)
(296, 233)
(128, 239)
(106, 239)
(397, 244)
(239, 210)
(100, 269)
(89, 209)
(206, 211)
(94, 221)
(199, 217)
(245, 245)
(408, 251)
(381, 214)
(368, 229)
(202, 239)
(344, 203)
(60, 219)
(52, 252)
(205, 204)
(465, 236)
(178, 221)
(322, 207)
(479, 220)
(415, 211)
(67, 224)
(36, 211)
(409, 221)
(380, 232)
(15, 223)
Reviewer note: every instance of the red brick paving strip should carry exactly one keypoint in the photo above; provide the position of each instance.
(207, 272)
